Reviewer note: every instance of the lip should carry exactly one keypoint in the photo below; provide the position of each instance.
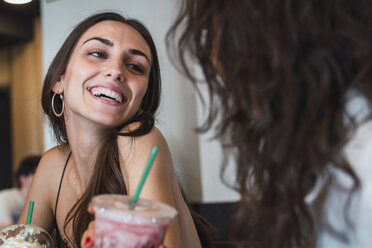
(106, 101)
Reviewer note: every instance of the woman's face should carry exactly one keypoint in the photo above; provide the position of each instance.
(107, 75)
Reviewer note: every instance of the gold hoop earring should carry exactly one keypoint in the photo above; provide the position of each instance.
(63, 104)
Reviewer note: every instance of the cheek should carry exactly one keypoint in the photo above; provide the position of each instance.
(143, 91)
(140, 90)
(78, 76)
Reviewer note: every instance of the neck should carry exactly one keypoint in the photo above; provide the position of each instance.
(84, 140)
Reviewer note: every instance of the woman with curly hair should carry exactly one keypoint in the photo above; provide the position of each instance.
(290, 91)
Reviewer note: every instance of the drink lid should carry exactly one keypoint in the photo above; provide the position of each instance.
(116, 207)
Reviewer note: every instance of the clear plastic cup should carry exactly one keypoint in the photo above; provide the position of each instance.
(25, 236)
(118, 226)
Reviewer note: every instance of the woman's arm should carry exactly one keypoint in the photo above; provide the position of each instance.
(160, 184)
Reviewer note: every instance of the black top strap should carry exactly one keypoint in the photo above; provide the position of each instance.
(60, 242)
(60, 184)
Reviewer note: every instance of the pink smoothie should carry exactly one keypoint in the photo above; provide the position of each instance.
(118, 226)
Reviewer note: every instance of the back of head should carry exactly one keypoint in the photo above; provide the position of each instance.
(279, 74)
(27, 166)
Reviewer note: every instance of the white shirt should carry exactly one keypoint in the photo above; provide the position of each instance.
(11, 205)
(358, 152)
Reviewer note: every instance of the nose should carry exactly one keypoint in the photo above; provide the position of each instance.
(115, 72)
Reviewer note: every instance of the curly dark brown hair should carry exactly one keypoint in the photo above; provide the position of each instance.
(279, 75)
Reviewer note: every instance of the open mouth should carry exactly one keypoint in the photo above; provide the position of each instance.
(108, 94)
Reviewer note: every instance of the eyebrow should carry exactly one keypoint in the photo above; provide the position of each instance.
(109, 43)
(138, 52)
(102, 40)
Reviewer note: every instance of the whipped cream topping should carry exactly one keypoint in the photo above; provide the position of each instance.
(19, 243)
(15, 235)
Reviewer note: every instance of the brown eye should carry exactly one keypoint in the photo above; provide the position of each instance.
(138, 69)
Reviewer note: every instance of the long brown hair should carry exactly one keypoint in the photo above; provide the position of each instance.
(279, 74)
(106, 176)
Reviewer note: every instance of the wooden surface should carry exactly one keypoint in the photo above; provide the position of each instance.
(21, 68)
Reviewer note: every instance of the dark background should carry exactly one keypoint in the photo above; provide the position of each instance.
(16, 27)
(5, 137)
(16, 22)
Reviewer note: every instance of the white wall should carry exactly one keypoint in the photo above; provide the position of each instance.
(178, 111)
(210, 155)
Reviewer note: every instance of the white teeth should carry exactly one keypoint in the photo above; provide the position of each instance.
(107, 93)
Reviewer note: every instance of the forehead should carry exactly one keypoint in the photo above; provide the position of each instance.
(117, 32)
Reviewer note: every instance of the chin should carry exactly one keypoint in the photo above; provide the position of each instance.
(109, 119)
(116, 123)
(108, 124)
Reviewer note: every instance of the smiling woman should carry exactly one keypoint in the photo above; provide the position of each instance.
(113, 79)
(108, 79)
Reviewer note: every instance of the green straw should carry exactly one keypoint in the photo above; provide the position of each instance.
(134, 200)
(29, 216)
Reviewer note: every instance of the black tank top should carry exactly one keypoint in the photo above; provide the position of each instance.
(61, 242)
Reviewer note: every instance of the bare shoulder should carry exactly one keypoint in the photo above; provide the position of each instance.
(153, 135)
(44, 187)
(135, 151)
(53, 160)
(49, 171)
(138, 146)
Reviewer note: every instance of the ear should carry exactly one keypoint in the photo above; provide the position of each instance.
(58, 87)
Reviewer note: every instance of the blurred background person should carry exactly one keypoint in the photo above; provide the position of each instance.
(12, 200)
